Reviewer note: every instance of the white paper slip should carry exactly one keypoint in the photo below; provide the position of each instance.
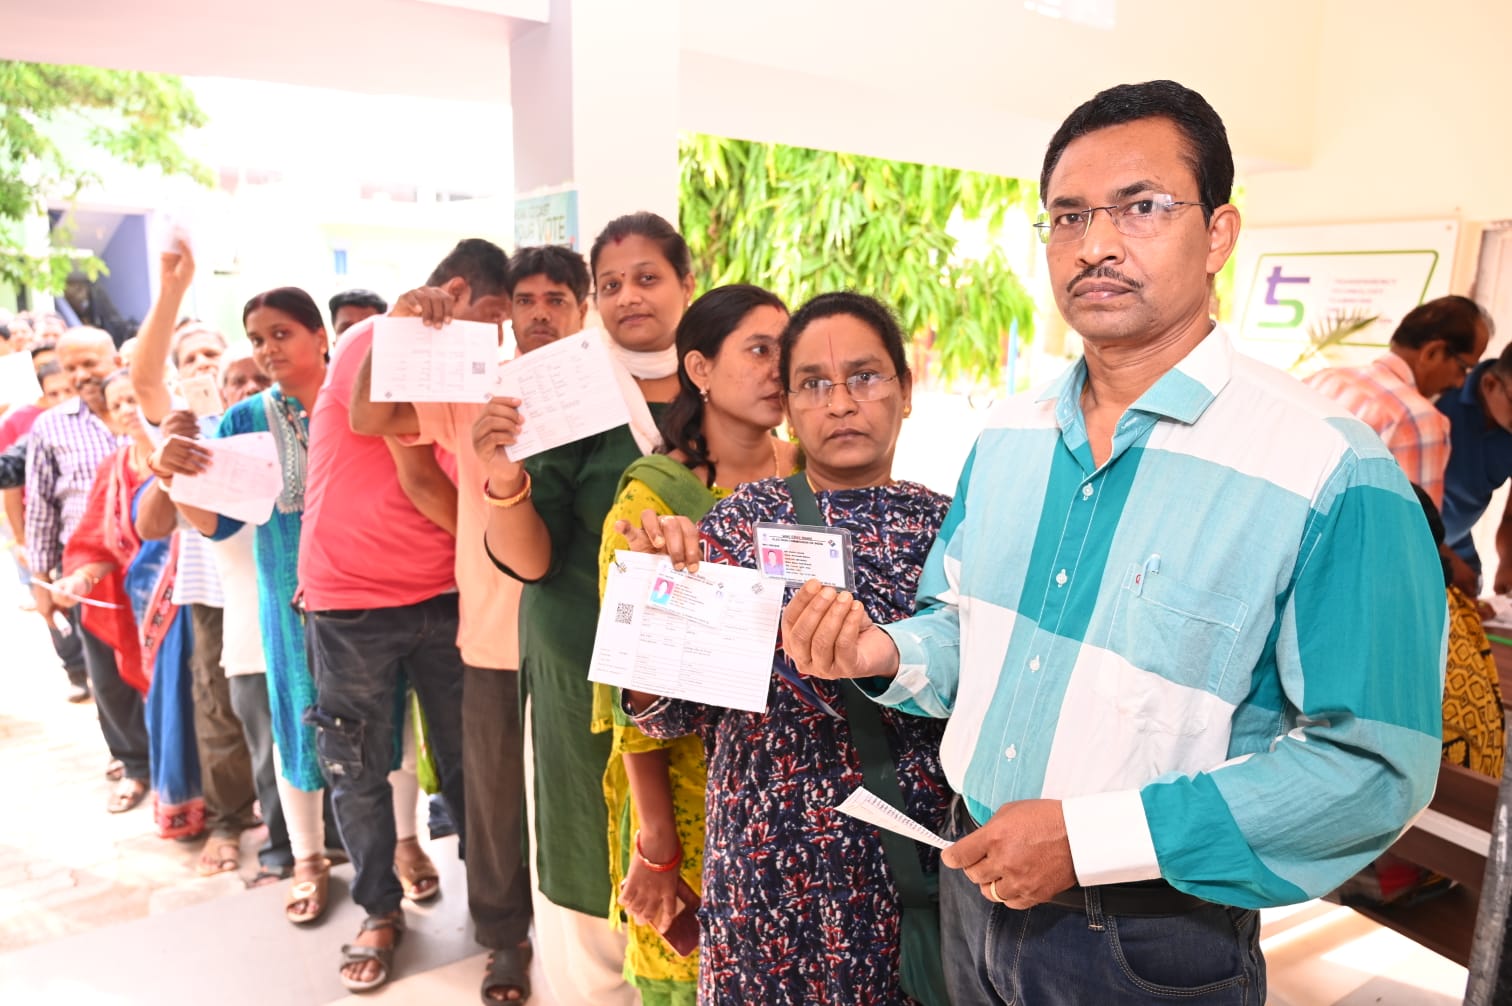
(18, 380)
(864, 805)
(413, 362)
(652, 650)
(567, 392)
(242, 482)
(202, 392)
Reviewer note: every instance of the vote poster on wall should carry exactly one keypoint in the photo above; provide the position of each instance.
(1312, 297)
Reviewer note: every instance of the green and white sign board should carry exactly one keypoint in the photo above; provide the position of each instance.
(1294, 284)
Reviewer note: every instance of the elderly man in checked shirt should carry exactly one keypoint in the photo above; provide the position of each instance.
(1185, 615)
(67, 446)
(1433, 348)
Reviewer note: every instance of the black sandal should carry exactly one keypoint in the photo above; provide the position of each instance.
(508, 969)
(356, 953)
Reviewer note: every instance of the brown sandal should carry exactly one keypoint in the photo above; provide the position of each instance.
(311, 890)
(417, 874)
(221, 854)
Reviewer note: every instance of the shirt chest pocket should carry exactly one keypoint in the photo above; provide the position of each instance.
(1182, 635)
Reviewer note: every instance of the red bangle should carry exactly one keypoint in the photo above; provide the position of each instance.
(655, 867)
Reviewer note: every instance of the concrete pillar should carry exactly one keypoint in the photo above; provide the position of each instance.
(594, 96)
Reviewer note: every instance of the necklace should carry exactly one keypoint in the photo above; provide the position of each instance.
(776, 461)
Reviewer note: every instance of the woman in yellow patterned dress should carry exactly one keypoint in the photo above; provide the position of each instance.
(716, 435)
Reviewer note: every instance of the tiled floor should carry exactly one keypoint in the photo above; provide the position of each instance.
(95, 909)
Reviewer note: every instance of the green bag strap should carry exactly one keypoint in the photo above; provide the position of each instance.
(921, 966)
(678, 487)
(877, 766)
(803, 500)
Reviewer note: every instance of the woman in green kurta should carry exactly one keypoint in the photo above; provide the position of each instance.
(717, 435)
(544, 529)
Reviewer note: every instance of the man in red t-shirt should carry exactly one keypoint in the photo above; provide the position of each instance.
(378, 583)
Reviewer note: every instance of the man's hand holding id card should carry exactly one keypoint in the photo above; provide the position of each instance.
(797, 553)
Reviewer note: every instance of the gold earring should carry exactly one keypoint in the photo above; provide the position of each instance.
(907, 411)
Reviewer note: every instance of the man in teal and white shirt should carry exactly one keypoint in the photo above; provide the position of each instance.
(1185, 615)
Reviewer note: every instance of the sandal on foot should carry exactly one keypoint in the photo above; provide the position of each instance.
(266, 875)
(115, 771)
(507, 970)
(356, 953)
(126, 795)
(222, 854)
(417, 874)
(312, 890)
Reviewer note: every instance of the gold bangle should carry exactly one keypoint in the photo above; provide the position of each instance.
(504, 503)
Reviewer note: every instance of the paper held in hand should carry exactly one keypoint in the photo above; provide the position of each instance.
(654, 649)
(242, 482)
(864, 805)
(413, 362)
(567, 392)
(18, 380)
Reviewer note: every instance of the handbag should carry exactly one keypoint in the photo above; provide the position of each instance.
(921, 968)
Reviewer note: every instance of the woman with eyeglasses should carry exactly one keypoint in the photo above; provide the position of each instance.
(800, 902)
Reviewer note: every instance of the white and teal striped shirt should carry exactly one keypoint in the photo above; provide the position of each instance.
(1223, 650)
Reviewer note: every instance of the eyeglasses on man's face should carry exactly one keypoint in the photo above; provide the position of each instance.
(815, 392)
(1138, 218)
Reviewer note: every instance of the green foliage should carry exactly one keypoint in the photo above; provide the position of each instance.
(802, 222)
(135, 118)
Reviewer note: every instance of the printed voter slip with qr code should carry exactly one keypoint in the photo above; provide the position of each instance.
(798, 553)
(647, 645)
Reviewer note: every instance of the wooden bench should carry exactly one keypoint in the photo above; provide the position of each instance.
(1452, 837)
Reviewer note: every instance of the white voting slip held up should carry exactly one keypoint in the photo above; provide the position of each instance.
(242, 482)
(18, 380)
(568, 390)
(413, 362)
(650, 647)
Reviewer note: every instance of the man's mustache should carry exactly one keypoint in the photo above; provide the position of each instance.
(1104, 272)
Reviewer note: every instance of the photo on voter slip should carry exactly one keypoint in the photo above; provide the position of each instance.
(707, 637)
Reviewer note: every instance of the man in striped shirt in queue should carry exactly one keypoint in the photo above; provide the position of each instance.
(67, 446)
(1185, 614)
(1431, 351)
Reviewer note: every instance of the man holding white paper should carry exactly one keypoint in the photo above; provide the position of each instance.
(548, 290)
(381, 594)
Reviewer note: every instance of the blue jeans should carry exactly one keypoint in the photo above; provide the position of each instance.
(1054, 956)
(358, 659)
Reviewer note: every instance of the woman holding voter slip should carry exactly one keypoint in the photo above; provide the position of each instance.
(716, 434)
(289, 343)
(800, 902)
(546, 519)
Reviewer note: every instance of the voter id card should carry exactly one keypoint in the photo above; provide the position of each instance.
(699, 596)
(798, 553)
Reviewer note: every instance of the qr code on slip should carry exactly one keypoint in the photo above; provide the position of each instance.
(479, 367)
(624, 614)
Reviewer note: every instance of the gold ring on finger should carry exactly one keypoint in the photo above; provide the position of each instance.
(995, 895)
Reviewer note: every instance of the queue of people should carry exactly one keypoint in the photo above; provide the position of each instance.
(1111, 671)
